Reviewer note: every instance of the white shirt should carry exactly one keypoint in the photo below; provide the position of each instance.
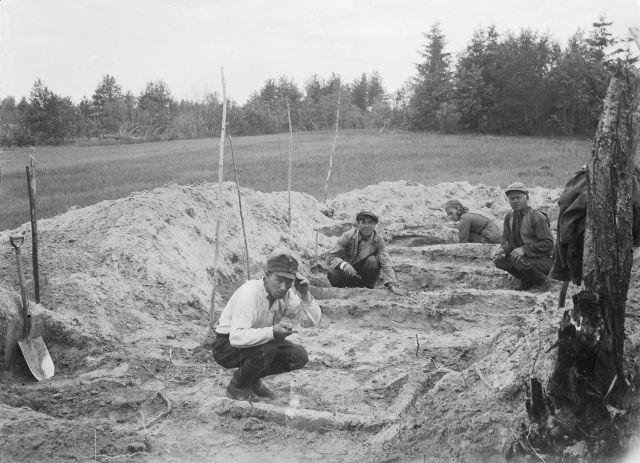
(248, 319)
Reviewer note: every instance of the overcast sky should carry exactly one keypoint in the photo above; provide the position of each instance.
(71, 44)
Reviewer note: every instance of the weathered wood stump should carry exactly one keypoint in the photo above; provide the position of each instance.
(588, 388)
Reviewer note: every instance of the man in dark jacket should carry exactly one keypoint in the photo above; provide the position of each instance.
(527, 242)
(360, 257)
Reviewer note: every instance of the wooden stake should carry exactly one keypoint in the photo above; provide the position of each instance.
(31, 186)
(290, 159)
(333, 150)
(220, 201)
(244, 232)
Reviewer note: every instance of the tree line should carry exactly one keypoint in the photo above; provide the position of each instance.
(499, 84)
(523, 84)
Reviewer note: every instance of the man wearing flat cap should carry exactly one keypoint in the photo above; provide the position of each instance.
(360, 257)
(252, 330)
(527, 242)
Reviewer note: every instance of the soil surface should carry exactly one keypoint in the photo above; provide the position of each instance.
(435, 375)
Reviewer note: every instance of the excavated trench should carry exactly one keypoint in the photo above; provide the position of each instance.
(372, 354)
(372, 357)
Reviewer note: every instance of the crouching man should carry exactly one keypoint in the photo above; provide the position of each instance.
(526, 242)
(473, 226)
(360, 257)
(252, 330)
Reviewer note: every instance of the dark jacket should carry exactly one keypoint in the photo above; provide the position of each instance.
(346, 249)
(572, 219)
(535, 233)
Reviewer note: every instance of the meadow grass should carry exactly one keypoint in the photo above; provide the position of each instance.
(79, 176)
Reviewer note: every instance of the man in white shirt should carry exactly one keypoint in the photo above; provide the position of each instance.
(252, 328)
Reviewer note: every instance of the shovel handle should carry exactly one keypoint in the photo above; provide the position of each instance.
(16, 242)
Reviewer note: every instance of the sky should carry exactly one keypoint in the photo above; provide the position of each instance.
(71, 44)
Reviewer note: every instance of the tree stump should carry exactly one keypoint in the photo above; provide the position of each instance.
(588, 388)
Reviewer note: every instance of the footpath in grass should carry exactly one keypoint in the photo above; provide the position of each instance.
(79, 176)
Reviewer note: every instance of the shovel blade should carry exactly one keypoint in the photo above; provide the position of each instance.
(37, 356)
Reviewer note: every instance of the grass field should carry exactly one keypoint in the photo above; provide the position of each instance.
(74, 175)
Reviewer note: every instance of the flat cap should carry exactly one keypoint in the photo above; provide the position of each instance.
(517, 186)
(452, 203)
(283, 265)
(364, 213)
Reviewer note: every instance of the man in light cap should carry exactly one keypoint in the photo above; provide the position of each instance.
(251, 331)
(473, 226)
(527, 242)
(360, 257)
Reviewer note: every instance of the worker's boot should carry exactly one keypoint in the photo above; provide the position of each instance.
(525, 285)
(261, 389)
(543, 286)
(239, 393)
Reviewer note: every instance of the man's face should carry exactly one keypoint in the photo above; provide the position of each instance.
(366, 225)
(454, 213)
(278, 285)
(517, 200)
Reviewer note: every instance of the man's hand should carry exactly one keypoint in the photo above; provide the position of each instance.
(282, 330)
(302, 285)
(349, 270)
(517, 254)
(499, 255)
(395, 289)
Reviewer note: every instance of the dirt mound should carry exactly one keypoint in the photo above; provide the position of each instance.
(125, 293)
(118, 266)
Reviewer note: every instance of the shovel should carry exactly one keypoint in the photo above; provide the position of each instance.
(33, 350)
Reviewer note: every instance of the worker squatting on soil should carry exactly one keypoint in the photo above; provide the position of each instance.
(473, 226)
(360, 257)
(527, 242)
(251, 331)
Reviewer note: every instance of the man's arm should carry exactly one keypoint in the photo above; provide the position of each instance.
(507, 247)
(544, 239)
(387, 273)
(339, 253)
(295, 306)
(464, 227)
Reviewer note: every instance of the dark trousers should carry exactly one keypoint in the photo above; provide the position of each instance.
(368, 269)
(256, 362)
(529, 270)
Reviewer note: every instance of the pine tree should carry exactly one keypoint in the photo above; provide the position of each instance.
(432, 85)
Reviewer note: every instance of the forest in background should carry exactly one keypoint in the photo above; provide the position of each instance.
(513, 84)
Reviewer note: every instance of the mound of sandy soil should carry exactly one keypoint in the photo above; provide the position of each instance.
(126, 287)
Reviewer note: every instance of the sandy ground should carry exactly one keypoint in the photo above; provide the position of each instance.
(436, 375)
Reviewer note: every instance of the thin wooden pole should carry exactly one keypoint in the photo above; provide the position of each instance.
(290, 160)
(220, 201)
(31, 186)
(244, 232)
(333, 150)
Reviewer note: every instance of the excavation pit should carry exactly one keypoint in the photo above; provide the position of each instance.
(373, 354)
